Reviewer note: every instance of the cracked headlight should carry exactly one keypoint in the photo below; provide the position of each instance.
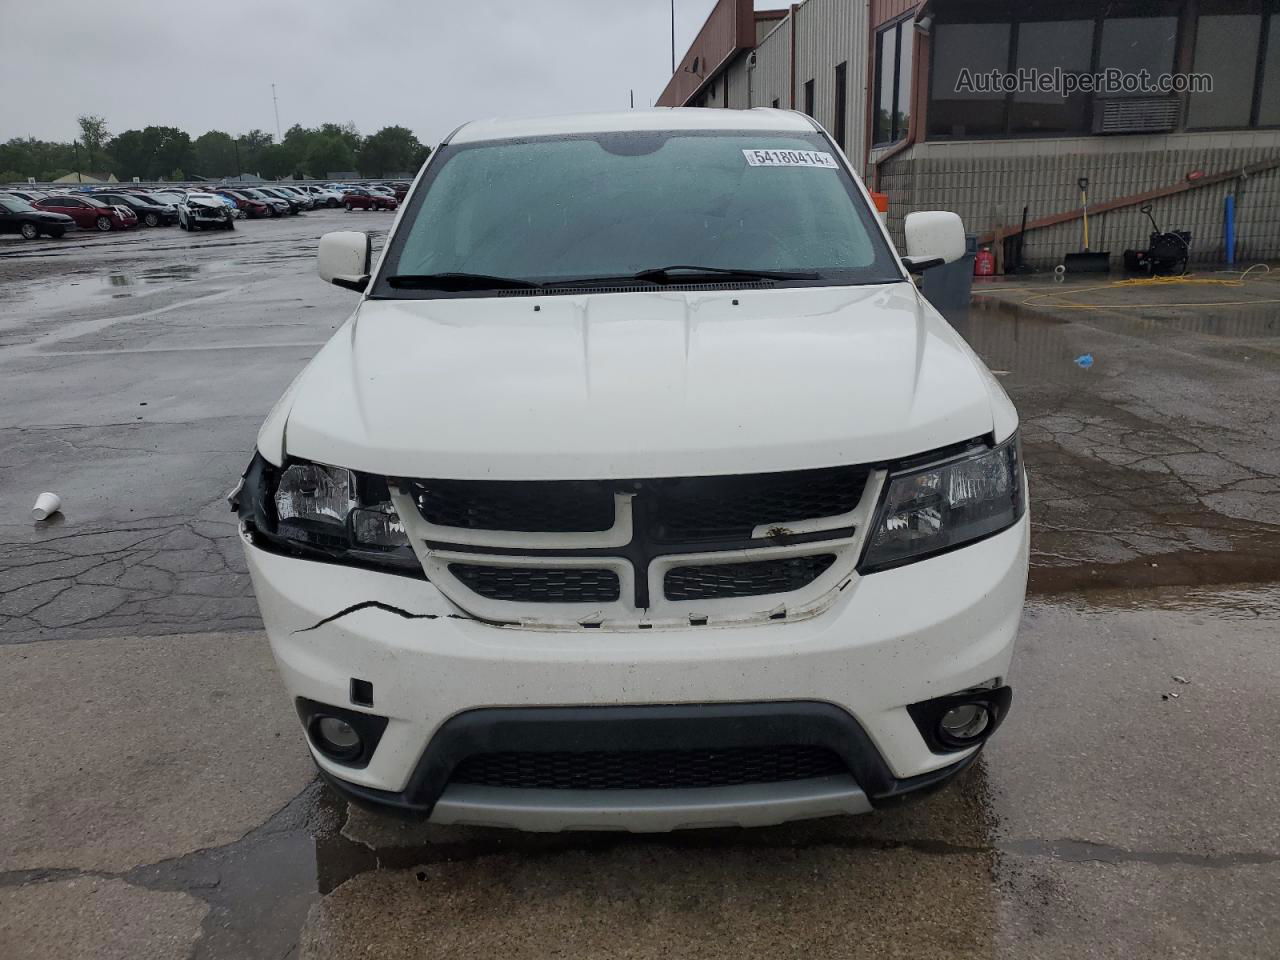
(931, 509)
(324, 513)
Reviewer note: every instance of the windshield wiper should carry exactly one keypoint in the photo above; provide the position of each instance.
(680, 271)
(684, 273)
(458, 281)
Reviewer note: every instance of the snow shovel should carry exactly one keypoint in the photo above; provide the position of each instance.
(1086, 261)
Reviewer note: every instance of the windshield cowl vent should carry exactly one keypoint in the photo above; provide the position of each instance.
(634, 288)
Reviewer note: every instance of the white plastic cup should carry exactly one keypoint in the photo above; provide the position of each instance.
(47, 504)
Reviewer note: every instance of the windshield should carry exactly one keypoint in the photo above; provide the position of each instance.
(15, 205)
(612, 205)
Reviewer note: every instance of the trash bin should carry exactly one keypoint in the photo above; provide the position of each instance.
(948, 287)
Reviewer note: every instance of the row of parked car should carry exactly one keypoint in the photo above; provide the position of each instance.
(33, 213)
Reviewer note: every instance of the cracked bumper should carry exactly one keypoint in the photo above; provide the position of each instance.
(891, 639)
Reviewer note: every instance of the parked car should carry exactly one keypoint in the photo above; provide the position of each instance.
(252, 208)
(732, 529)
(201, 210)
(324, 196)
(149, 212)
(279, 207)
(361, 198)
(18, 216)
(30, 196)
(303, 198)
(294, 205)
(89, 212)
(174, 197)
(400, 190)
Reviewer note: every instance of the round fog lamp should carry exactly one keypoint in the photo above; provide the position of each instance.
(965, 722)
(337, 737)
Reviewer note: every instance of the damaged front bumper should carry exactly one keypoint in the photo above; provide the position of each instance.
(890, 640)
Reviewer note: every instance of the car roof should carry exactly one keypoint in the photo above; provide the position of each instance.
(762, 119)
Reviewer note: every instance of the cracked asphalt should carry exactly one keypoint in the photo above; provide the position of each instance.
(158, 800)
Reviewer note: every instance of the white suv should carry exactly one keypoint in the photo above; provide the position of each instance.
(641, 490)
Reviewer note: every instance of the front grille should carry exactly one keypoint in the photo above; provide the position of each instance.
(755, 579)
(540, 584)
(708, 508)
(568, 506)
(649, 769)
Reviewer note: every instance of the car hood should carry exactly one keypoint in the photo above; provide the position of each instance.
(637, 384)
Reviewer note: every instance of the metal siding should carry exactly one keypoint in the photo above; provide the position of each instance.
(771, 78)
(729, 27)
(829, 32)
(739, 79)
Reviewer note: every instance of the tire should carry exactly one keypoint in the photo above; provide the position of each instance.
(333, 204)
(151, 220)
(29, 231)
(55, 232)
(103, 224)
(349, 207)
(229, 225)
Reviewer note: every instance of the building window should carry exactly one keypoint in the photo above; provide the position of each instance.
(961, 52)
(1269, 92)
(1226, 49)
(1134, 44)
(842, 102)
(1045, 46)
(808, 97)
(893, 82)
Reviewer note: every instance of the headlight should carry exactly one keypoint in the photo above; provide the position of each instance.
(325, 513)
(931, 509)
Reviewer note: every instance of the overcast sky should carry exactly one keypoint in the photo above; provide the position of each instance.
(425, 64)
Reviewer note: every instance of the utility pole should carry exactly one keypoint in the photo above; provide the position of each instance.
(673, 37)
(276, 104)
(79, 176)
(236, 144)
(633, 99)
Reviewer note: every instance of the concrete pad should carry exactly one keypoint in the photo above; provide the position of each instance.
(647, 899)
(1051, 910)
(1092, 750)
(135, 750)
(95, 918)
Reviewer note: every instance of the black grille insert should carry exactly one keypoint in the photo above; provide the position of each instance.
(534, 506)
(540, 584)
(755, 579)
(649, 769)
(710, 508)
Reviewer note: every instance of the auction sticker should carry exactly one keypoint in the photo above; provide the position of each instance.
(790, 158)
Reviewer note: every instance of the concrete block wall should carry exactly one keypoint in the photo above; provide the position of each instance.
(988, 183)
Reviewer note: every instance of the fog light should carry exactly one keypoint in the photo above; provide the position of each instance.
(336, 738)
(964, 723)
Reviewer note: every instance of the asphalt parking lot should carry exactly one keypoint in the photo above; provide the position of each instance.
(158, 800)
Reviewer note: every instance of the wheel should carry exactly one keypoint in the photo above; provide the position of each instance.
(151, 220)
(229, 225)
(55, 232)
(182, 222)
(104, 224)
(349, 205)
(29, 231)
(333, 204)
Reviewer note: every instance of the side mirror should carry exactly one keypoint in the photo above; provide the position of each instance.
(934, 237)
(345, 259)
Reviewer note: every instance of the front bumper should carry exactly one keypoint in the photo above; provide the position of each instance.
(889, 640)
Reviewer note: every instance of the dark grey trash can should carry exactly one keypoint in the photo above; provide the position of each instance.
(948, 287)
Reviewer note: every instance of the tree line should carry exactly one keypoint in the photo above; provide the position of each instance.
(156, 153)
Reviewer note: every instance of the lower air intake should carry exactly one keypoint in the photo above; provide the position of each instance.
(649, 769)
(720, 581)
(539, 584)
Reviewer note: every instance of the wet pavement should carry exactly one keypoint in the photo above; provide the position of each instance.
(159, 801)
